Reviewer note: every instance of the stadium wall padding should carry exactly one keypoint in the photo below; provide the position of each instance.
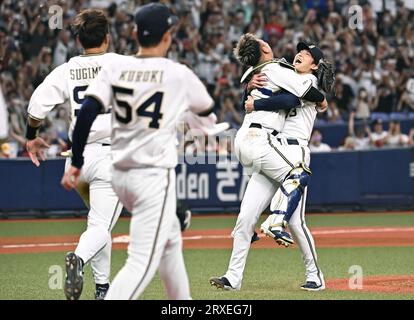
(381, 178)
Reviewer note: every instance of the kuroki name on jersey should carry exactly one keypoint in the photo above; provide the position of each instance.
(84, 73)
(155, 76)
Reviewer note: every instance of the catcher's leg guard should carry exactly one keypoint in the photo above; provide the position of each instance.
(284, 204)
(287, 197)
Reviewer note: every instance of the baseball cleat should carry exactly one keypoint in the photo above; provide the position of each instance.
(312, 286)
(281, 237)
(101, 291)
(255, 237)
(74, 276)
(221, 283)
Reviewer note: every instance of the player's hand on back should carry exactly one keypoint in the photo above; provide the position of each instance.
(36, 149)
(70, 178)
(258, 81)
(249, 104)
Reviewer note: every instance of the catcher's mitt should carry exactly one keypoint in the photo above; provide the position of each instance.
(326, 76)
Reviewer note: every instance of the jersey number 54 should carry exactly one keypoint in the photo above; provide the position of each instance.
(126, 116)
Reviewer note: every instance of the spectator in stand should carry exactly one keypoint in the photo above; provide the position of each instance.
(17, 115)
(349, 144)
(4, 151)
(228, 112)
(367, 76)
(4, 118)
(208, 64)
(275, 25)
(378, 137)
(333, 114)
(237, 26)
(61, 53)
(384, 100)
(379, 58)
(395, 138)
(61, 123)
(411, 137)
(359, 132)
(407, 98)
(316, 144)
(363, 106)
(343, 97)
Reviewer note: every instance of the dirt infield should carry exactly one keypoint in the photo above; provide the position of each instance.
(328, 237)
(389, 284)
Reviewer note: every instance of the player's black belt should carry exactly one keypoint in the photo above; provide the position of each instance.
(259, 126)
(105, 144)
(289, 141)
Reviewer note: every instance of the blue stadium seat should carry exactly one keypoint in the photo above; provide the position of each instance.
(398, 116)
(380, 116)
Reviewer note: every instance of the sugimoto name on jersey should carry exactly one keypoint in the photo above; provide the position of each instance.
(84, 73)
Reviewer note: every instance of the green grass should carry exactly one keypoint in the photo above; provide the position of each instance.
(52, 228)
(271, 274)
(76, 227)
(277, 274)
(351, 220)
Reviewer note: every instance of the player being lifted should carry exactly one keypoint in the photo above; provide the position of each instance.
(68, 82)
(277, 158)
(149, 94)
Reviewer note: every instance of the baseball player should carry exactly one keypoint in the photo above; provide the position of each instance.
(296, 133)
(261, 188)
(149, 94)
(68, 82)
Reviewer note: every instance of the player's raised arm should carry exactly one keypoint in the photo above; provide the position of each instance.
(51, 92)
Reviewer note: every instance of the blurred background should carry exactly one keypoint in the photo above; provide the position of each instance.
(362, 146)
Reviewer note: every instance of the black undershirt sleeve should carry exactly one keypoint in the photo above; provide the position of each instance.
(313, 95)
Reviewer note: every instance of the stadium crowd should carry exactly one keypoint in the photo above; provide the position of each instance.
(374, 61)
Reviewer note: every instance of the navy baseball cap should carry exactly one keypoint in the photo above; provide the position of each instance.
(153, 20)
(315, 52)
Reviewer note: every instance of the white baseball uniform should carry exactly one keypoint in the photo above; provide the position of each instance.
(299, 125)
(68, 82)
(149, 96)
(256, 148)
(4, 118)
